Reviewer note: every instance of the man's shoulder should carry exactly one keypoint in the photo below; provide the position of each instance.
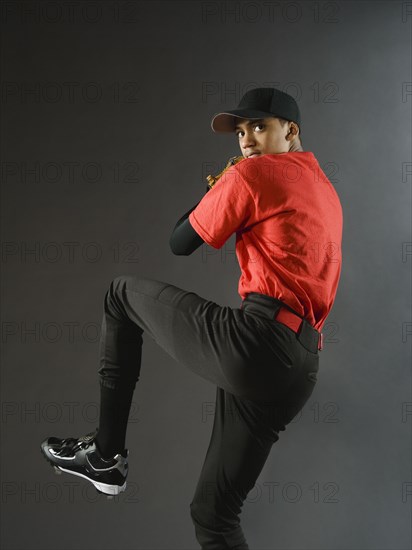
(274, 166)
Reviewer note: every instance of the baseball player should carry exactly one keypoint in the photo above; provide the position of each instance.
(263, 356)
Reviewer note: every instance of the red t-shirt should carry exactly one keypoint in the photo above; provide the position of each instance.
(288, 223)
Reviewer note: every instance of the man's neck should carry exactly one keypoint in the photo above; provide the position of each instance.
(295, 147)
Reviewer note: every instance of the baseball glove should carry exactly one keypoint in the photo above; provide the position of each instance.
(213, 179)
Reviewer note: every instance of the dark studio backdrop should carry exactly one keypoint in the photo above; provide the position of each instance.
(105, 143)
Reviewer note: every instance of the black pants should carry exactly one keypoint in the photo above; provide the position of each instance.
(263, 373)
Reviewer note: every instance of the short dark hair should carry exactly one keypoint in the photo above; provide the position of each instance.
(283, 121)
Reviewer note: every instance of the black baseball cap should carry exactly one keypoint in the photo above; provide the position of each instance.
(258, 103)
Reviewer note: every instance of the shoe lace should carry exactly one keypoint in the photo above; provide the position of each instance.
(73, 444)
(88, 438)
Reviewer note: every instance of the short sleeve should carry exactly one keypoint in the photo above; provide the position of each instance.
(227, 208)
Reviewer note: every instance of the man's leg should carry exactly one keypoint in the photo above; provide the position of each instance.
(240, 444)
(183, 324)
(242, 437)
(178, 321)
(238, 352)
(196, 332)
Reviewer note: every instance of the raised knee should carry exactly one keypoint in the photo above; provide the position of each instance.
(120, 283)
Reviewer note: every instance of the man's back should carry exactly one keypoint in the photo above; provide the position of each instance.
(288, 222)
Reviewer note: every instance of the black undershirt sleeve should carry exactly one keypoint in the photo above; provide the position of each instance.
(184, 240)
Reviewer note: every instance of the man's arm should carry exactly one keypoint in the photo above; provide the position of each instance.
(184, 239)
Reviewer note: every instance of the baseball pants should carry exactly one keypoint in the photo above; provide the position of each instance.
(262, 372)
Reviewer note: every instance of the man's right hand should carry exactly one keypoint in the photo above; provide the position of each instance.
(232, 161)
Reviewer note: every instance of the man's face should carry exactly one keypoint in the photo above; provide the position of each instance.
(264, 136)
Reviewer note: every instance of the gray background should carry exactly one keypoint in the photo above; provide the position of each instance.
(340, 476)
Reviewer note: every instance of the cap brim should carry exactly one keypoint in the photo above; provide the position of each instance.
(226, 122)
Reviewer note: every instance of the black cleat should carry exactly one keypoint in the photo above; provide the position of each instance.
(81, 457)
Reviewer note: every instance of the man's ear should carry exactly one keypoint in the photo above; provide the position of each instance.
(293, 131)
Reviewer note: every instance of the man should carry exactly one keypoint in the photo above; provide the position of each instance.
(263, 356)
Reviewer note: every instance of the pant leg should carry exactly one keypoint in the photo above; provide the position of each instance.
(174, 318)
(240, 353)
(243, 434)
(258, 366)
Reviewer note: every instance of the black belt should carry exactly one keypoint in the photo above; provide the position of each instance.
(275, 309)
